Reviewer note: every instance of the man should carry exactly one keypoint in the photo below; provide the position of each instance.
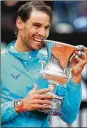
(21, 97)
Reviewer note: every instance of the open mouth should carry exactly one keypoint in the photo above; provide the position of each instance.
(39, 39)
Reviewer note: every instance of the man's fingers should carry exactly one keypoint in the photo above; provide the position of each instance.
(85, 49)
(38, 106)
(79, 52)
(80, 55)
(43, 96)
(35, 87)
(43, 91)
(39, 101)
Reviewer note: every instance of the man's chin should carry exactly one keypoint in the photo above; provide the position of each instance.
(36, 48)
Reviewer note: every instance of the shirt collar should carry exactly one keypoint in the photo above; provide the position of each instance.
(21, 55)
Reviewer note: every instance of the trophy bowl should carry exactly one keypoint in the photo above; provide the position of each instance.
(57, 70)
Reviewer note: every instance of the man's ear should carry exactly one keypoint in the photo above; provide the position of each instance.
(19, 23)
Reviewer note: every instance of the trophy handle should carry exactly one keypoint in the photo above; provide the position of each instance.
(42, 65)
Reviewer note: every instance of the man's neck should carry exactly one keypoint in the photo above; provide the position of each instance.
(20, 46)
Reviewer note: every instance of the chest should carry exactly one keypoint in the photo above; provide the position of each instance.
(19, 76)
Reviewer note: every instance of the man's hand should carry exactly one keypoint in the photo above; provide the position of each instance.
(77, 64)
(37, 99)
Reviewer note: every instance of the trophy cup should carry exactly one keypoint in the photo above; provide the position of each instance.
(57, 70)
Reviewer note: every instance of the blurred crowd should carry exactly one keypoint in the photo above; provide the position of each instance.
(68, 17)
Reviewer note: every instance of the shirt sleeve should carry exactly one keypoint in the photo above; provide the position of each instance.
(8, 111)
(72, 96)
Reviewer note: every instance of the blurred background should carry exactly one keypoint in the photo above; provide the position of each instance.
(69, 25)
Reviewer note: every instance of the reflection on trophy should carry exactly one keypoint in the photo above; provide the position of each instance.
(57, 70)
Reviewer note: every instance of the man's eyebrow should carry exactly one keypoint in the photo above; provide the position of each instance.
(36, 23)
(48, 26)
(40, 24)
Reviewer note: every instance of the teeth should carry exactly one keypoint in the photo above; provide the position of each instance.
(39, 39)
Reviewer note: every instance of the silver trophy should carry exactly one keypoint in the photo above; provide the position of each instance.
(57, 70)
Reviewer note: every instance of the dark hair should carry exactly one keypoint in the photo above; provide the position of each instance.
(25, 10)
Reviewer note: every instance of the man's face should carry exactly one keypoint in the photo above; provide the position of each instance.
(35, 30)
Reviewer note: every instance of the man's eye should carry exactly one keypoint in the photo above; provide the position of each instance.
(36, 25)
(47, 28)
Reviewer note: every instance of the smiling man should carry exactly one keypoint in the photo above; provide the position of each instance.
(33, 31)
(20, 96)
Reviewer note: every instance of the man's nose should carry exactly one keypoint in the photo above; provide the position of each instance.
(42, 32)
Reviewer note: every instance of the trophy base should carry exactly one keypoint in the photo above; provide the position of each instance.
(55, 110)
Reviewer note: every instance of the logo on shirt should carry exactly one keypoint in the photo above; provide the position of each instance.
(15, 76)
